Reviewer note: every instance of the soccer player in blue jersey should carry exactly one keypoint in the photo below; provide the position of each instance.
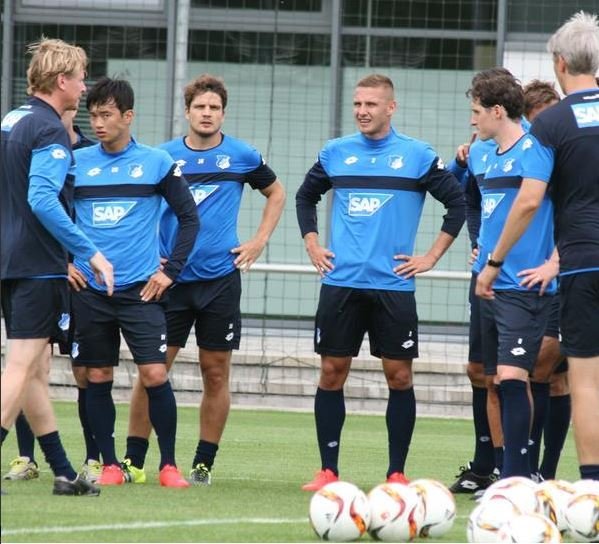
(120, 186)
(513, 324)
(37, 198)
(380, 178)
(207, 292)
(569, 134)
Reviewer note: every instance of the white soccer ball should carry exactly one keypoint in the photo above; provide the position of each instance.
(439, 507)
(529, 528)
(553, 496)
(488, 517)
(396, 513)
(339, 512)
(521, 492)
(582, 514)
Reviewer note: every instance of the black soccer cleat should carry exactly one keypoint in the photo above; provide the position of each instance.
(470, 482)
(77, 487)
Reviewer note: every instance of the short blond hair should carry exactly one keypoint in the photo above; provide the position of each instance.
(49, 58)
(376, 80)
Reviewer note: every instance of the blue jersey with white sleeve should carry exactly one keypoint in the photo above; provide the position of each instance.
(117, 204)
(36, 185)
(499, 187)
(216, 180)
(379, 187)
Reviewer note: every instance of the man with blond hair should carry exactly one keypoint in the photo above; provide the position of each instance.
(569, 133)
(37, 232)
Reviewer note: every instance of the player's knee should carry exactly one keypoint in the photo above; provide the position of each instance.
(476, 374)
(152, 375)
(401, 379)
(99, 375)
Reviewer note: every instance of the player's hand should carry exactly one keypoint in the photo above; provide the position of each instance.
(103, 272)
(77, 280)
(473, 256)
(484, 282)
(321, 258)
(463, 152)
(247, 253)
(413, 264)
(156, 285)
(543, 274)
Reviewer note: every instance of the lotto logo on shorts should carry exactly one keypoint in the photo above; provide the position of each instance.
(587, 115)
(108, 214)
(362, 204)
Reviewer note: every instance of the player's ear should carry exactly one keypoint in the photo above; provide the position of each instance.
(129, 115)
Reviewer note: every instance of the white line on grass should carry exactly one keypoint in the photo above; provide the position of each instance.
(151, 525)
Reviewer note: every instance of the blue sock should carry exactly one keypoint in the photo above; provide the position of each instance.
(101, 417)
(589, 472)
(55, 455)
(400, 418)
(540, 403)
(205, 453)
(25, 438)
(91, 448)
(137, 448)
(554, 434)
(163, 415)
(515, 409)
(329, 413)
(484, 461)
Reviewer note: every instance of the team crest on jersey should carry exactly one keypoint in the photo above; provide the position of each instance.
(508, 165)
(93, 172)
(202, 192)
(135, 170)
(490, 202)
(223, 161)
(395, 161)
(64, 322)
(351, 160)
(587, 115)
(108, 214)
(362, 204)
(12, 118)
(527, 144)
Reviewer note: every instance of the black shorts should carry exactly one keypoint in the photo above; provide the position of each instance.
(513, 325)
(344, 314)
(214, 307)
(101, 319)
(36, 308)
(552, 329)
(475, 354)
(579, 314)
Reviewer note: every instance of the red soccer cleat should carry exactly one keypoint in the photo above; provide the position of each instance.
(322, 478)
(111, 475)
(397, 478)
(171, 477)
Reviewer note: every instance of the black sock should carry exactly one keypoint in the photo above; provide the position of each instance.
(101, 417)
(400, 418)
(540, 403)
(516, 428)
(137, 448)
(484, 461)
(589, 472)
(329, 413)
(163, 415)
(55, 455)
(3, 433)
(91, 448)
(205, 453)
(25, 438)
(554, 434)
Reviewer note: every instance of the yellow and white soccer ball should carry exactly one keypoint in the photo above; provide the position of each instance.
(529, 528)
(439, 507)
(582, 512)
(554, 496)
(339, 512)
(396, 513)
(488, 517)
(521, 492)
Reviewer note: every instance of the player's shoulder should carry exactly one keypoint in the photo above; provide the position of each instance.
(237, 146)
(84, 153)
(174, 145)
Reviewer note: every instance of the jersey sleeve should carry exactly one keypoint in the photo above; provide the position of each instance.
(262, 176)
(316, 183)
(473, 209)
(537, 159)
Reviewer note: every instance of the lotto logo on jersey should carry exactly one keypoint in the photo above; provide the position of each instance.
(361, 204)
(202, 192)
(108, 214)
(587, 115)
(490, 202)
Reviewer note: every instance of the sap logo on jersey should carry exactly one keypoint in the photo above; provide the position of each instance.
(361, 204)
(587, 115)
(108, 214)
(202, 192)
(490, 202)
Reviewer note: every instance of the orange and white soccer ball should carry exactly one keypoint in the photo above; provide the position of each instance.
(521, 492)
(488, 517)
(439, 507)
(396, 513)
(554, 496)
(529, 528)
(582, 512)
(339, 512)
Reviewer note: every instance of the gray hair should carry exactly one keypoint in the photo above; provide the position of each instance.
(577, 42)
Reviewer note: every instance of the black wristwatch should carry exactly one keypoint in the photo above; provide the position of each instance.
(494, 264)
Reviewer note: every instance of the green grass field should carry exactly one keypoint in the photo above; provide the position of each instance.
(264, 458)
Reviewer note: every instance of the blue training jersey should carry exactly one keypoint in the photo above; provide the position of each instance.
(216, 179)
(379, 187)
(117, 204)
(499, 187)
